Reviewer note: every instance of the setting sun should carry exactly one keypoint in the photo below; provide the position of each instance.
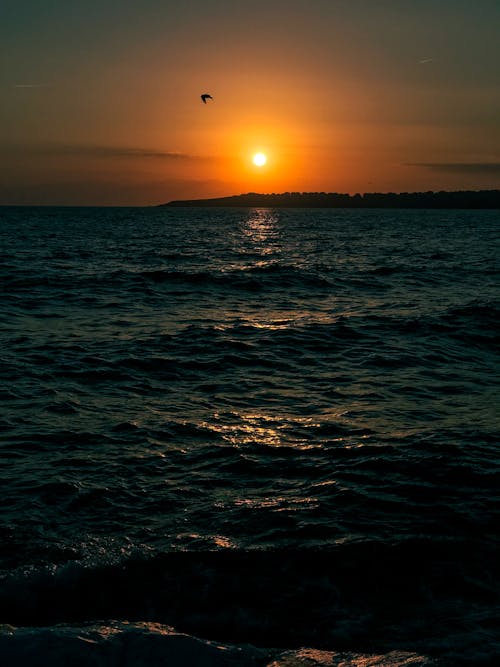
(259, 159)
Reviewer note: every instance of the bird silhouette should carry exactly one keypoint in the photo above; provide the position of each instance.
(206, 97)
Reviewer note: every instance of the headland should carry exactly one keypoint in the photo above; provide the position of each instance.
(461, 199)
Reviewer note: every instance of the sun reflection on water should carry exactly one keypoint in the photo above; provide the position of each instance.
(265, 430)
(261, 226)
(278, 503)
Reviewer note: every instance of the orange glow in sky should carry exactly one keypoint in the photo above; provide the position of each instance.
(104, 108)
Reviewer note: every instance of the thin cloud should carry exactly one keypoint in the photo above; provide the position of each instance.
(31, 85)
(460, 167)
(426, 61)
(126, 152)
(117, 152)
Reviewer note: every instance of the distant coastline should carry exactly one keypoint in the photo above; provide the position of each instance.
(462, 199)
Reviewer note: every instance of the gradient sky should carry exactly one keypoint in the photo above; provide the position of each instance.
(99, 100)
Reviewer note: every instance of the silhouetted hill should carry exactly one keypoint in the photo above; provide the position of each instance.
(460, 199)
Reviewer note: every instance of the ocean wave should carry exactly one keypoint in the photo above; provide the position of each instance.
(137, 644)
(476, 310)
(213, 382)
(251, 278)
(335, 599)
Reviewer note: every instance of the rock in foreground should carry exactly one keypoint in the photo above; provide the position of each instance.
(123, 644)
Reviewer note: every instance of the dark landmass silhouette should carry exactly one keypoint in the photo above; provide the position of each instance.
(464, 199)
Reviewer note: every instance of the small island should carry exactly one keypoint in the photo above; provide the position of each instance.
(462, 199)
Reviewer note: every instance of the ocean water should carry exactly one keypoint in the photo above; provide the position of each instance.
(273, 427)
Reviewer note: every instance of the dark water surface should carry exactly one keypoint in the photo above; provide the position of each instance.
(288, 418)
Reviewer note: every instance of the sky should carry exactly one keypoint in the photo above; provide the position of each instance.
(100, 100)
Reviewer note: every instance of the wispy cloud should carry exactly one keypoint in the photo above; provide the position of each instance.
(123, 152)
(31, 85)
(426, 61)
(113, 152)
(460, 167)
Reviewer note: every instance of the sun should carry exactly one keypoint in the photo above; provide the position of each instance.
(259, 159)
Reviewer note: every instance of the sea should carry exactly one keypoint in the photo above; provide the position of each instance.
(236, 427)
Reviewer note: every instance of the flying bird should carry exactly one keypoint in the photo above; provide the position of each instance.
(206, 97)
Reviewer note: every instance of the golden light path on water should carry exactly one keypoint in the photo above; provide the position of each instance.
(261, 430)
(262, 234)
(259, 242)
(261, 227)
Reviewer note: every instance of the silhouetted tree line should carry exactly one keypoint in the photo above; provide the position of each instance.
(460, 199)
